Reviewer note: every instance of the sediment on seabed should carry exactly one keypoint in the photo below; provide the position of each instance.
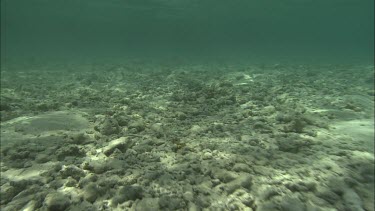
(188, 137)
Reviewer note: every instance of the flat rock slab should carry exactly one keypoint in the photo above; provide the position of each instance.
(42, 125)
(359, 130)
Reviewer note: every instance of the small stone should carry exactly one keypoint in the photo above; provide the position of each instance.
(148, 204)
(171, 203)
(195, 129)
(301, 186)
(188, 196)
(243, 181)
(72, 171)
(193, 207)
(122, 120)
(238, 167)
(269, 109)
(70, 150)
(87, 180)
(138, 125)
(42, 158)
(126, 193)
(157, 128)
(71, 182)
(56, 202)
(225, 176)
(207, 156)
(291, 204)
(268, 193)
(91, 192)
(79, 138)
(122, 144)
(108, 126)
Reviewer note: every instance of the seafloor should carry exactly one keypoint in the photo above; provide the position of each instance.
(139, 136)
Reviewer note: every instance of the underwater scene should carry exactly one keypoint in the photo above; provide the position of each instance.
(212, 105)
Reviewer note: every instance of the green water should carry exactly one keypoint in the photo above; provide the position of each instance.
(312, 31)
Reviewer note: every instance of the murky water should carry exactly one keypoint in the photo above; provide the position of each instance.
(335, 31)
